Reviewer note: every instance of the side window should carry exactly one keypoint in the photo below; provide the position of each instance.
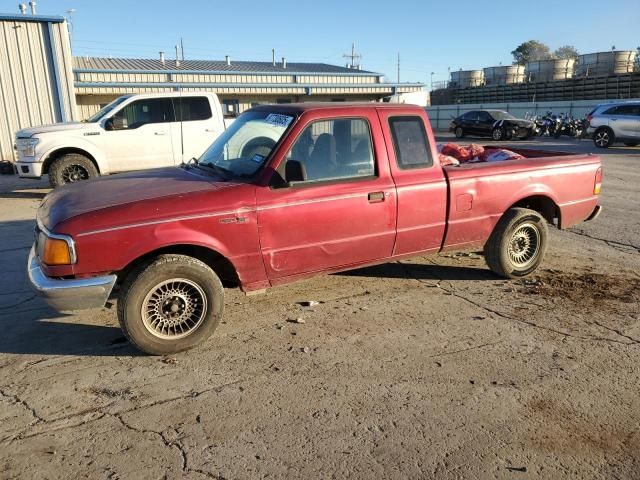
(485, 117)
(230, 107)
(331, 150)
(191, 109)
(142, 112)
(627, 110)
(410, 142)
(470, 116)
(611, 111)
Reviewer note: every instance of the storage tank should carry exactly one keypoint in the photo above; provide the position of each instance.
(547, 70)
(467, 78)
(502, 75)
(606, 63)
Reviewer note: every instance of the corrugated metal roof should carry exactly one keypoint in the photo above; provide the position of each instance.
(134, 64)
(30, 18)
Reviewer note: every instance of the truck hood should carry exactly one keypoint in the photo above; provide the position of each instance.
(55, 127)
(89, 196)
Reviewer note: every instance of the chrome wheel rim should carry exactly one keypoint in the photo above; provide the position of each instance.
(174, 309)
(602, 139)
(524, 245)
(497, 134)
(74, 173)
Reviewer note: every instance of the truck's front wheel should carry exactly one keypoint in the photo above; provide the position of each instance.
(171, 304)
(517, 244)
(71, 168)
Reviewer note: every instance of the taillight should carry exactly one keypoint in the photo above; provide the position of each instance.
(597, 186)
(589, 117)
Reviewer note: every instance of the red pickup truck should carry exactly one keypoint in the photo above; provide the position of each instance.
(288, 192)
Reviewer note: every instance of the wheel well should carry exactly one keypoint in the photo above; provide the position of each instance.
(541, 204)
(53, 156)
(218, 263)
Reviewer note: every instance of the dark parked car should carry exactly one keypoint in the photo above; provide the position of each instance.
(496, 124)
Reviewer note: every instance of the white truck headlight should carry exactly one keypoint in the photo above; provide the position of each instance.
(27, 146)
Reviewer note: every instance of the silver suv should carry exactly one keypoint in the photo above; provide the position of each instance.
(612, 122)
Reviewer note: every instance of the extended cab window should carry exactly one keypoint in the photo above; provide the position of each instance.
(190, 109)
(332, 150)
(410, 142)
(142, 112)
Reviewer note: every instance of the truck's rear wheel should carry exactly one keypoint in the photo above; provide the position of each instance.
(71, 168)
(171, 304)
(517, 244)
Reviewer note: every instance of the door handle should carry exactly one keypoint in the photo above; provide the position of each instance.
(159, 133)
(376, 197)
(211, 130)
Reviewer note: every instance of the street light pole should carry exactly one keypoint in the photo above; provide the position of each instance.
(432, 73)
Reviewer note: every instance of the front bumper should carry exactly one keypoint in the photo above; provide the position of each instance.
(69, 294)
(29, 169)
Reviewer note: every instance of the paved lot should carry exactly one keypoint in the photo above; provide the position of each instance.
(431, 367)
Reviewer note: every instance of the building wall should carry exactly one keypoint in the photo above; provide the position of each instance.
(36, 78)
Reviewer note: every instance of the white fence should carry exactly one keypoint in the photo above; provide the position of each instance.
(441, 115)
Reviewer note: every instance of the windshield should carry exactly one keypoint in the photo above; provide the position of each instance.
(244, 146)
(96, 117)
(500, 115)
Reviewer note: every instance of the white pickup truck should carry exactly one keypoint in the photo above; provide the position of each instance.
(134, 132)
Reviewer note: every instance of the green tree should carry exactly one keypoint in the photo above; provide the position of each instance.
(531, 51)
(566, 52)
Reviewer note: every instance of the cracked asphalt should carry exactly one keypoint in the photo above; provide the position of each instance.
(429, 367)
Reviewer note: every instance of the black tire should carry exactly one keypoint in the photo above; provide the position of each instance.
(497, 134)
(631, 144)
(71, 168)
(517, 244)
(459, 132)
(603, 137)
(170, 281)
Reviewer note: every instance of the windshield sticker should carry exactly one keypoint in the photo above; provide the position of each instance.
(257, 158)
(278, 119)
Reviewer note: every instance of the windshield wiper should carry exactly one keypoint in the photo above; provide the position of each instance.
(223, 172)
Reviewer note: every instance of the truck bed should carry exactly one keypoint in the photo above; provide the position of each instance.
(479, 193)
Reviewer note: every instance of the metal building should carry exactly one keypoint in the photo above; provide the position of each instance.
(239, 84)
(36, 79)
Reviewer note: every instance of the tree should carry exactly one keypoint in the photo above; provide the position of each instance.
(566, 52)
(531, 51)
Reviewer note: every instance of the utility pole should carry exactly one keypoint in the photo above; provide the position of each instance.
(181, 49)
(398, 67)
(355, 57)
(432, 74)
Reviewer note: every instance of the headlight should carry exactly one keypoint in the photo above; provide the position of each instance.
(27, 146)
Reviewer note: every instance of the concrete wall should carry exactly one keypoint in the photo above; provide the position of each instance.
(441, 115)
(36, 79)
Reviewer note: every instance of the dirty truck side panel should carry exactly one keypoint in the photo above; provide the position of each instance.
(315, 227)
(421, 191)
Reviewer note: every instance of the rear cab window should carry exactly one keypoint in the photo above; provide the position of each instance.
(191, 109)
(410, 142)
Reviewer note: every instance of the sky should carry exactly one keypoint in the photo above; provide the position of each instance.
(429, 36)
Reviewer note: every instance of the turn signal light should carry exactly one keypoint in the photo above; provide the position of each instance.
(56, 252)
(597, 186)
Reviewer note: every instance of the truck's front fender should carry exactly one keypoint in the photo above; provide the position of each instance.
(77, 145)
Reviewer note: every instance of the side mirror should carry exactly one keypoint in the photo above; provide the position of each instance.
(294, 171)
(108, 124)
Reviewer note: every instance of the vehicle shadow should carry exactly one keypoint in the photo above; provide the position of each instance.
(29, 325)
(35, 329)
(419, 271)
(27, 194)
